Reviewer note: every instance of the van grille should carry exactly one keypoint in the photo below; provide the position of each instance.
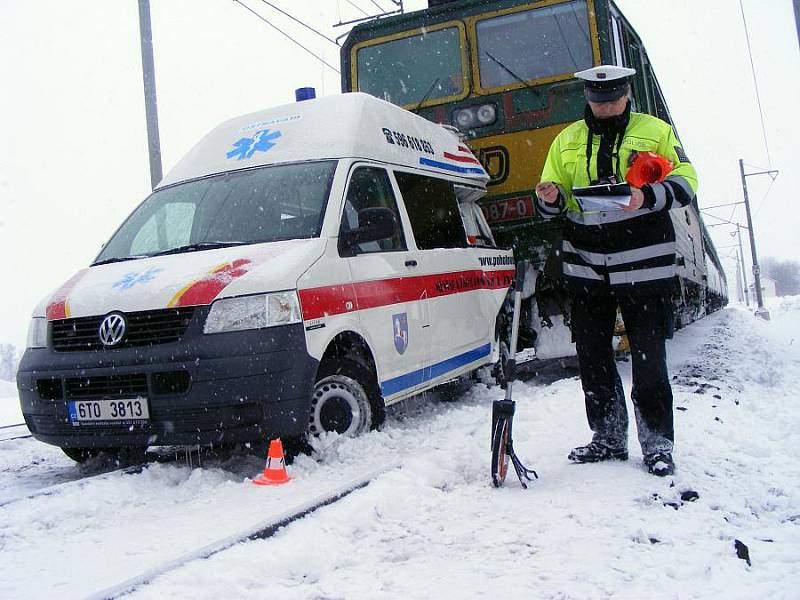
(145, 328)
(112, 386)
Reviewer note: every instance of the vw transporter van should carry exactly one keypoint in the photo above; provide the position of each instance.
(298, 271)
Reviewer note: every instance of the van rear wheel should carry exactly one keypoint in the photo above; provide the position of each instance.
(341, 400)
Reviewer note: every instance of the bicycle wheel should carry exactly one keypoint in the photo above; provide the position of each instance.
(500, 455)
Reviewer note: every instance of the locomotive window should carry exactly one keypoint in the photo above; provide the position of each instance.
(410, 69)
(534, 44)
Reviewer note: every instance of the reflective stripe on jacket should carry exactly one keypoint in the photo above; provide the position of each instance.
(630, 252)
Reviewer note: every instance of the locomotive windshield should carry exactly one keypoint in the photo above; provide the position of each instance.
(534, 44)
(427, 65)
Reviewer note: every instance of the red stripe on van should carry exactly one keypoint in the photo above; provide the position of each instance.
(58, 308)
(206, 289)
(328, 300)
(456, 157)
(337, 299)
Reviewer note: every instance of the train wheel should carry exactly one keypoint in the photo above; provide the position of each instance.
(500, 457)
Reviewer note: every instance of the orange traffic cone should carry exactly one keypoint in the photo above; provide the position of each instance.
(275, 470)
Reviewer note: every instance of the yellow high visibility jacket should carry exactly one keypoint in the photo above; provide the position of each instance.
(566, 161)
(615, 251)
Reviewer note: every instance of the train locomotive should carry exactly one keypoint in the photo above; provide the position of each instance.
(501, 72)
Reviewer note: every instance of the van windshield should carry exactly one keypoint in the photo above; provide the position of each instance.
(269, 204)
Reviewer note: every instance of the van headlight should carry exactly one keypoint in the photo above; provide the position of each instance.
(253, 312)
(37, 333)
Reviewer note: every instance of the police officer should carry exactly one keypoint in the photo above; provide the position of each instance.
(622, 258)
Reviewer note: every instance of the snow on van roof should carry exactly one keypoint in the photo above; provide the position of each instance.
(353, 125)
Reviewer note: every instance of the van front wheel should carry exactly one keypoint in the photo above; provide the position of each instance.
(124, 456)
(339, 404)
(80, 455)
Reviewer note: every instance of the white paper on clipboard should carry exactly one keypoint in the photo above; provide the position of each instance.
(607, 196)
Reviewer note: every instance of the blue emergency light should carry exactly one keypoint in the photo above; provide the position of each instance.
(305, 93)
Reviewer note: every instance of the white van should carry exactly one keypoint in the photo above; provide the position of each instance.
(299, 270)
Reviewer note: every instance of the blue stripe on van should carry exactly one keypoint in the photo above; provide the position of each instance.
(449, 167)
(397, 384)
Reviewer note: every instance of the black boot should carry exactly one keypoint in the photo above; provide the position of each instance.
(659, 464)
(596, 452)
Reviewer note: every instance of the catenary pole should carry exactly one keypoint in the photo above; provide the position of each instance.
(741, 261)
(150, 102)
(739, 289)
(760, 310)
(797, 18)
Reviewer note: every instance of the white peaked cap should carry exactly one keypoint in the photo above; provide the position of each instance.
(605, 73)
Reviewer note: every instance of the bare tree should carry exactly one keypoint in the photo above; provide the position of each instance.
(786, 274)
(9, 361)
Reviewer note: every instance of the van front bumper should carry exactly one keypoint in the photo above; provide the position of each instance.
(203, 389)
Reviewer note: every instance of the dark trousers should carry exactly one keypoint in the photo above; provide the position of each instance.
(648, 322)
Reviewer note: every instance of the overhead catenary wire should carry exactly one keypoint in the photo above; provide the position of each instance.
(773, 175)
(755, 83)
(380, 8)
(764, 198)
(357, 7)
(724, 221)
(279, 30)
(296, 20)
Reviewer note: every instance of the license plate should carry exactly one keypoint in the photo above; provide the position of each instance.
(124, 411)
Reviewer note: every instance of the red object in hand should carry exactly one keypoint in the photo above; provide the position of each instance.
(647, 167)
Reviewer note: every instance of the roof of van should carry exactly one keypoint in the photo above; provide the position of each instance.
(353, 125)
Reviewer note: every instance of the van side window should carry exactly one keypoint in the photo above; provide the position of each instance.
(370, 188)
(433, 210)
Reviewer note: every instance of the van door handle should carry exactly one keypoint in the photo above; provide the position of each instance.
(411, 263)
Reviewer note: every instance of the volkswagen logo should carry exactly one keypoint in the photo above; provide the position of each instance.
(112, 329)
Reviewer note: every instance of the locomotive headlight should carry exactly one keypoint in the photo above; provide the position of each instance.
(253, 312)
(475, 116)
(487, 114)
(464, 118)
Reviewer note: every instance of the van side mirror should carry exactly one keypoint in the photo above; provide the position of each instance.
(374, 224)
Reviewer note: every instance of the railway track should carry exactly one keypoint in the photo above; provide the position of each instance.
(263, 529)
(188, 455)
(17, 431)
(59, 488)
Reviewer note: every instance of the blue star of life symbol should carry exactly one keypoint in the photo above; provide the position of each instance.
(131, 279)
(260, 142)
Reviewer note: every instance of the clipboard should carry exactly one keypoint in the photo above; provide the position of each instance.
(605, 196)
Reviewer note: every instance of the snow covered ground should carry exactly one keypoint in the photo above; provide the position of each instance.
(432, 526)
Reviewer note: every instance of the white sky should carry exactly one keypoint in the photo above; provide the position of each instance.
(74, 159)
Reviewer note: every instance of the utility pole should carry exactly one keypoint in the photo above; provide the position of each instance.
(741, 262)
(797, 18)
(150, 103)
(739, 288)
(760, 310)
